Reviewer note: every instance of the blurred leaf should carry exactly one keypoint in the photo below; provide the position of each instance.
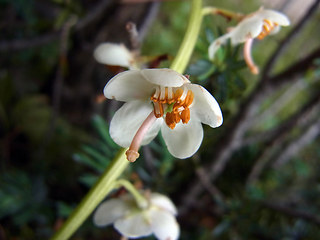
(86, 160)
(88, 179)
(200, 67)
(21, 198)
(32, 114)
(64, 210)
(103, 130)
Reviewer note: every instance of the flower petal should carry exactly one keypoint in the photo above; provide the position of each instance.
(249, 27)
(127, 86)
(133, 225)
(127, 120)
(164, 225)
(215, 45)
(275, 30)
(113, 54)
(185, 139)
(164, 77)
(274, 16)
(205, 106)
(109, 211)
(163, 202)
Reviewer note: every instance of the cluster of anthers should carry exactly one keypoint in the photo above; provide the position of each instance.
(175, 103)
(267, 27)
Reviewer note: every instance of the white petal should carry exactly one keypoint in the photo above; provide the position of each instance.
(205, 106)
(127, 86)
(109, 211)
(164, 77)
(275, 30)
(185, 139)
(163, 202)
(274, 16)
(113, 54)
(164, 225)
(127, 120)
(133, 226)
(248, 28)
(215, 45)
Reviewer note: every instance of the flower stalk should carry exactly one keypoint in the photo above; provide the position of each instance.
(109, 179)
(141, 201)
(183, 56)
(100, 190)
(222, 12)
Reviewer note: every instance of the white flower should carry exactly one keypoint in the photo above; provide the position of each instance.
(158, 217)
(160, 99)
(115, 55)
(256, 25)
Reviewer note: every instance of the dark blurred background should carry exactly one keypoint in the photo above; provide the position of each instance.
(255, 177)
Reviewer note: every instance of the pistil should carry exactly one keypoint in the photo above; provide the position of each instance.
(248, 57)
(132, 152)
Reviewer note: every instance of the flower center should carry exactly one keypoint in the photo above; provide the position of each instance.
(176, 102)
(268, 26)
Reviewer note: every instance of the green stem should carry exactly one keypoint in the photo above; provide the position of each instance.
(100, 190)
(140, 199)
(108, 180)
(180, 62)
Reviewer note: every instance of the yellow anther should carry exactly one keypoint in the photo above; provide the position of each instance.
(185, 115)
(268, 26)
(189, 99)
(181, 100)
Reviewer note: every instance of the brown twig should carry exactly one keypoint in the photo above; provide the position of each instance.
(241, 122)
(134, 36)
(307, 112)
(292, 212)
(286, 42)
(298, 144)
(93, 16)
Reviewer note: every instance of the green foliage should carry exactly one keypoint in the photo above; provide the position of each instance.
(22, 198)
(98, 154)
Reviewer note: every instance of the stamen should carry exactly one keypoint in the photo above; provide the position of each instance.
(268, 26)
(178, 93)
(170, 95)
(248, 58)
(132, 152)
(158, 109)
(170, 120)
(185, 115)
(181, 98)
(162, 98)
(156, 94)
(189, 99)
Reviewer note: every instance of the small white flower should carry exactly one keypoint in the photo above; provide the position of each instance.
(158, 217)
(115, 55)
(160, 99)
(256, 25)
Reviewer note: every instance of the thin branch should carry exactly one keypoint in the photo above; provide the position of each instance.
(286, 42)
(294, 69)
(238, 126)
(293, 213)
(93, 16)
(296, 146)
(307, 112)
(15, 45)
